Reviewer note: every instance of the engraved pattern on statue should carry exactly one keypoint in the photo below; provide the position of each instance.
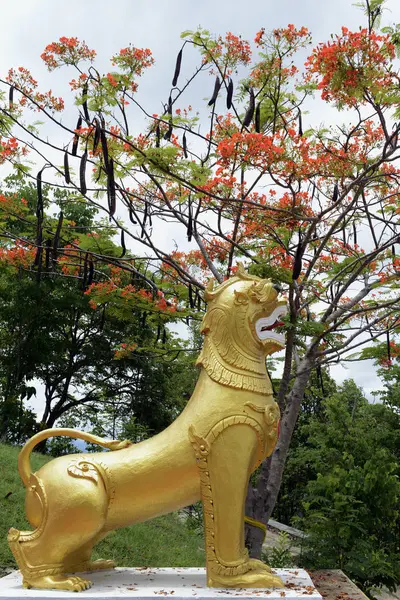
(202, 448)
(15, 537)
(271, 414)
(223, 359)
(91, 470)
(84, 469)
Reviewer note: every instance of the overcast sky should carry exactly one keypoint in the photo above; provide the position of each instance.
(29, 25)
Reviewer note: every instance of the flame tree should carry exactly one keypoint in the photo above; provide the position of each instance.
(246, 174)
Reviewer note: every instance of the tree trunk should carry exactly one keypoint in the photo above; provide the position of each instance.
(52, 418)
(262, 499)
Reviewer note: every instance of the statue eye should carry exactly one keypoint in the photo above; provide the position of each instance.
(241, 298)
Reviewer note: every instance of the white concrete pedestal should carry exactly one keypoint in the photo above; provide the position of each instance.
(179, 584)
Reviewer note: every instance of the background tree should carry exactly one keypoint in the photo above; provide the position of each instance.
(316, 207)
(300, 467)
(351, 503)
(53, 333)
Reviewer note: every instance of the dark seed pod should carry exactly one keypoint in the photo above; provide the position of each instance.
(123, 243)
(39, 205)
(393, 251)
(335, 193)
(57, 235)
(355, 233)
(191, 303)
(103, 319)
(298, 263)
(388, 345)
(158, 135)
(320, 379)
(258, 118)
(217, 86)
(229, 94)
(47, 255)
(76, 137)
(344, 235)
(167, 135)
(145, 214)
(84, 104)
(190, 224)
(250, 111)
(164, 337)
(111, 188)
(90, 272)
(169, 106)
(96, 138)
(104, 147)
(82, 173)
(38, 257)
(132, 220)
(300, 125)
(85, 271)
(184, 143)
(11, 97)
(177, 68)
(67, 175)
(39, 235)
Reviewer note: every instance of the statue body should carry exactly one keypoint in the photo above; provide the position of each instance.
(228, 427)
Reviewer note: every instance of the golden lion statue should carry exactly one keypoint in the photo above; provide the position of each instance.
(228, 427)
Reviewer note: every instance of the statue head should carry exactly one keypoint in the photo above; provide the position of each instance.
(248, 309)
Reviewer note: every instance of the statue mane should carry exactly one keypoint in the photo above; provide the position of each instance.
(230, 354)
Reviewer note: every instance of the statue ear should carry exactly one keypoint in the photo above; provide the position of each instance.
(241, 297)
(241, 271)
(208, 293)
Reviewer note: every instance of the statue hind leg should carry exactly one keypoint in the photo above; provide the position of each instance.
(68, 521)
(226, 459)
(80, 561)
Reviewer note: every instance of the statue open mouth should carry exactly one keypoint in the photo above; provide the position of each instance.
(266, 325)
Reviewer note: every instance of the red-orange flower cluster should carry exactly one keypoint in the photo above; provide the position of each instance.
(67, 51)
(352, 63)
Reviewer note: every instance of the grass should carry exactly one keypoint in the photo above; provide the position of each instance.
(162, 542)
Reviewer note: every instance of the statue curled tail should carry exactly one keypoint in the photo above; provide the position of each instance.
(24, 466)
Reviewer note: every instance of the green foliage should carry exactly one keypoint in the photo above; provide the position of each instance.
(280, 557)
(156, 543)
(59, 446)
(108, 365)
(389, 394)
(351, 506)
(16, 421)
(300, 467)
(194, 517)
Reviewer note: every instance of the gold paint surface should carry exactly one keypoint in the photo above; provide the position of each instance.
(228, 427)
